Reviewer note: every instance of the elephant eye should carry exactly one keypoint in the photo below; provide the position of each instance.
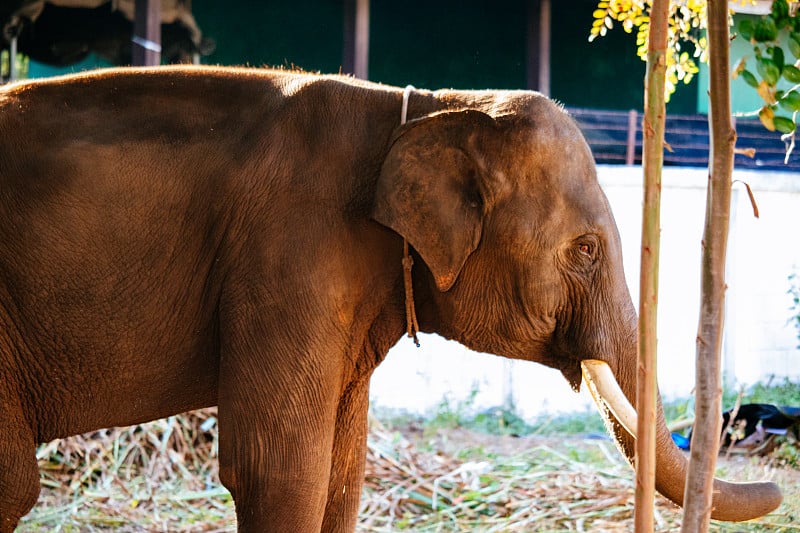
(587, 247)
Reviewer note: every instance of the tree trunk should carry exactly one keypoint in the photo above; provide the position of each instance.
(652, 161)
(708, 388)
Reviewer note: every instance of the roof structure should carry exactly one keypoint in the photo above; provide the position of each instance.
(64, 32)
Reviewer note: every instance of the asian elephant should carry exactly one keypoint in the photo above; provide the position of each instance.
(182, 237)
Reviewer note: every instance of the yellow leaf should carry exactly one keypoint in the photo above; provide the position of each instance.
(766, 92)
(767, 116)
(599, 13)
(739, 67)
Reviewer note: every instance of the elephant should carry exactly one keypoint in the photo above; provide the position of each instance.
(173, 238)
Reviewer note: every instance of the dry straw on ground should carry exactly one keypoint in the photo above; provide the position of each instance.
(163, 477)
(531, 485)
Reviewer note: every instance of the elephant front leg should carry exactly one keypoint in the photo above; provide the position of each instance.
(276, 436)
(19, 472)
(348, 459)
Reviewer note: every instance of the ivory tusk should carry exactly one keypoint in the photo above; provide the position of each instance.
(605, 391)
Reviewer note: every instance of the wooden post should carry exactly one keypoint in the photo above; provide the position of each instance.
(147, 33)
(544, 47)
(538, 46)
(356, 38)
(349, 37)
(652, 162)
(630, 148)
(12, 60)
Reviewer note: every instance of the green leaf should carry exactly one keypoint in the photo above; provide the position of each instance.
(794, 44)
(791, 73)
(768, 70)
(777, 56)
(749, 78)
(783, 124)
(790, 101)
(765, 30)
(746, 29)
(780, 10)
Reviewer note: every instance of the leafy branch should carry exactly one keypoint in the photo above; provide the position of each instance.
(775, 38)
(686, 41)
(773, 65)
(22, 65)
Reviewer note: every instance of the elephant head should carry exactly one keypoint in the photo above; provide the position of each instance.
(522, 258)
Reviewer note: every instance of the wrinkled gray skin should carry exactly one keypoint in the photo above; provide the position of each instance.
(179, 238)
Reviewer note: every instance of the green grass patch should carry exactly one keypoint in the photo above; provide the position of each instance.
(506, 420)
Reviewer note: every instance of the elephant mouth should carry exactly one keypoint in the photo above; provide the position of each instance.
(572, 372)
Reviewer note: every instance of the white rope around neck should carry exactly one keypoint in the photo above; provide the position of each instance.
(404, 109)
(412, 327)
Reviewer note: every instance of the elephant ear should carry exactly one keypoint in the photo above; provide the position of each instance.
(429, 190)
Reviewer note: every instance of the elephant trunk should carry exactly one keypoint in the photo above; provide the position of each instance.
(731, 501)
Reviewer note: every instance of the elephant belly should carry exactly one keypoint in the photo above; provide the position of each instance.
(92, 350)
(85, 391)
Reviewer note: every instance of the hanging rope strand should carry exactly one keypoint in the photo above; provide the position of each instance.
(411, 314)
(412, 327)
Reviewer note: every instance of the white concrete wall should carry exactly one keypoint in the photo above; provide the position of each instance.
(760, 340)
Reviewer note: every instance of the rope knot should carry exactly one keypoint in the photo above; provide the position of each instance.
(408, 263)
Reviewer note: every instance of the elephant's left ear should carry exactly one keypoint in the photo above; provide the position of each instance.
(429, 189)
